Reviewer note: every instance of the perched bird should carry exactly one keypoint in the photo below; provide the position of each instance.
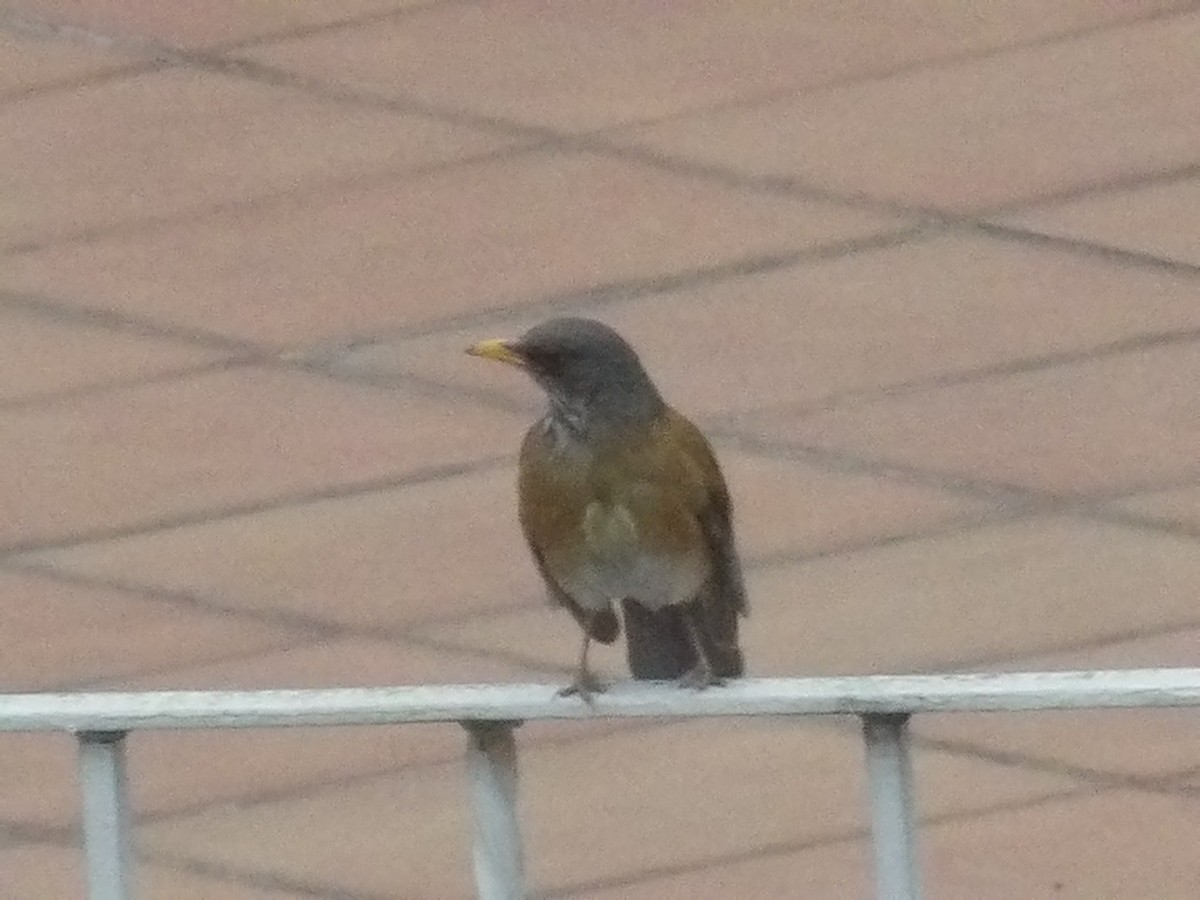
(622, 502)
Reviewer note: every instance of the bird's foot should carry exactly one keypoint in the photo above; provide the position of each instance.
(699, 676)
(585, 686)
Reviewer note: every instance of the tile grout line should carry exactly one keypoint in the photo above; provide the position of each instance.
(307, 627)
(631, 289)
(44, 399)
(594, 141)
(784, 848)
(309, 630)
(1024, 762)
(116, 322)
(1015, 367)
(951, 60)
(1081, 247)
(350, 23)
(332, 185)
(1088, 506)
(249, 878)
(255, 71)
(1116, 185)
(407, 478)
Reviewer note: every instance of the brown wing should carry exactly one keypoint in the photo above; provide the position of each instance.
(657, 642)
(545, 511)
(714, 510)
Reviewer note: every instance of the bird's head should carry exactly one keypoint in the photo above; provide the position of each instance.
(591, 374)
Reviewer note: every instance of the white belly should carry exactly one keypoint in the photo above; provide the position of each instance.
(615, 565)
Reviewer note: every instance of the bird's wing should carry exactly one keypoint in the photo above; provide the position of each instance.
(658, 644)
(542, 514)
(714, 512)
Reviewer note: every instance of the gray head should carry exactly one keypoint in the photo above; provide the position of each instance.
(591, 375)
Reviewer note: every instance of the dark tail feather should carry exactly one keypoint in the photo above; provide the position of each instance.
(656, 642)
(659, 647)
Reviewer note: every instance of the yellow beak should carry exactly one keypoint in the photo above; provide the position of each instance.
(496, 349)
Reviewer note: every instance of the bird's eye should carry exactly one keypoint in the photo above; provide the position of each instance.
(547, 362)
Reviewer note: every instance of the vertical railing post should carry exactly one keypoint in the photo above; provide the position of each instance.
(106, 821)
(893, 820)
(492, 769)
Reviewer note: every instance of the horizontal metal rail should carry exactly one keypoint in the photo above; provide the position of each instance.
(491, 713)
(893, 694)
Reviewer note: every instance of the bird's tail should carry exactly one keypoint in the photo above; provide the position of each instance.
(660, 648)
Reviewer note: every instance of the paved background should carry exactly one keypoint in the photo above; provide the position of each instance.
(928, 273)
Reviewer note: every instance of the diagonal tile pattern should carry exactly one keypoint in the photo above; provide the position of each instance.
(1159, 219)
(355, 258)
(159, 452)
(825, 332)
(1045, 430)
(143, 167)
(32, 59)
(42, 357)
(997, 131)
(702, 805)
(929, 277)
(584, 66)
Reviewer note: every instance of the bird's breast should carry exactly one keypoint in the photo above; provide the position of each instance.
(609, 520)
(609, 530)
(618, 559)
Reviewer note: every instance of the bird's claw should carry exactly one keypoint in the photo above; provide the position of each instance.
(698, 677)
(585, 686)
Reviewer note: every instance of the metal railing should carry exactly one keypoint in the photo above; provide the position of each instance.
(101, 721)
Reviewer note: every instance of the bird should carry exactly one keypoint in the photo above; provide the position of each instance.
(623, 505)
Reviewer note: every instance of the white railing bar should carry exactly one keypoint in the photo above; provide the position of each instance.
(106, 821)
(492, 770)
(893, 815)
(862, 695)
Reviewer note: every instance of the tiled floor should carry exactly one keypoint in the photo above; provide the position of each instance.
(928, 274)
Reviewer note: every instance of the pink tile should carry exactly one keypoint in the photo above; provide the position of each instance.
(842, 869)
(784, 506)
(1178, 506)
(1000, 130)
(827, 332)
(382, 560)
(55, 634)
(1120, 845)
(50, 872)
(1006, 591)
(626, 797)
(136, 455)
(38, 781)
(421, 248)
(121, 151)
(43, 355)
(30, 60)
(1102, 425)
(1160, 219)
(582, 66)
(1145, 744)
(219, 22)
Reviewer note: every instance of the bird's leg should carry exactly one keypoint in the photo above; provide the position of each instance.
(701, 674)
(585, 683)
